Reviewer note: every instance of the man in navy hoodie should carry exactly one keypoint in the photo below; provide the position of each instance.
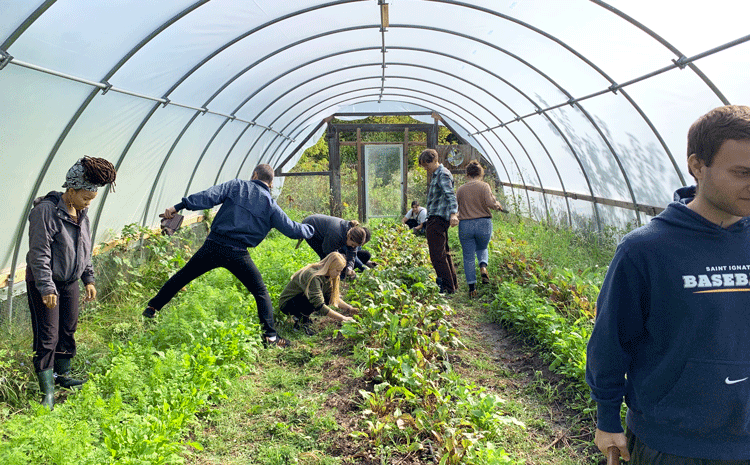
(247, 214)
(672, 332)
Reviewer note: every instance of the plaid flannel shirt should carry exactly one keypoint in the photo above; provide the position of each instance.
(441, 198)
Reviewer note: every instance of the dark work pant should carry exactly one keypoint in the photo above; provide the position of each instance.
(641, 454)
(412, 223)
(213, 255)
(53, 328)
(437, 242)
(300, 306)
(364, 256)
(317, 246)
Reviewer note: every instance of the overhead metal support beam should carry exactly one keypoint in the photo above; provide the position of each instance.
(106, 87)
(384, 23)
(647, 209)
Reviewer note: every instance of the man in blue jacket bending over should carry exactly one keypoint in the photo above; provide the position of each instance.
(672, 332)
(247, 214)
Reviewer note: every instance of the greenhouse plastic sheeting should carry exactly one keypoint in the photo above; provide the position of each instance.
(581, 106)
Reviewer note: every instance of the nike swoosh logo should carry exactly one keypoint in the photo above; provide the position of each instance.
(734, 381)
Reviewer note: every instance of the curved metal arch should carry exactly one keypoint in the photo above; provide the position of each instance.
(549, 118)
(467, 112)
(552, 121)
(255, 93)
(417, 79)
(577, 104)
(164, 164)
(249, 151)
(562, 183)
(259, 89)
(491, 145)
(666, 44)
(520, 173)
(213, 54)
(581, 57)
(297, 130)
(341, 31)
(190, 72)
(69, 126)
(237, 75)
(338, 84)
(355, 90)
(218, 173)
(367, 48)
(26, 23)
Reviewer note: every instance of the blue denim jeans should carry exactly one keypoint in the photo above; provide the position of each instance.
(474, 236)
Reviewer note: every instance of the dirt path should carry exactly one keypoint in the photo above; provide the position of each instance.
(504, 365)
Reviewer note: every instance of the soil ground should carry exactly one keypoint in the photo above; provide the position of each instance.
(496, 359)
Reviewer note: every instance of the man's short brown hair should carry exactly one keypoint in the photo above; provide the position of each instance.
(710, 131)
(427, 156)
(263, 173)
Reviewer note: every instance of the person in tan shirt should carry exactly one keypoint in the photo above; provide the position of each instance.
(475, 202)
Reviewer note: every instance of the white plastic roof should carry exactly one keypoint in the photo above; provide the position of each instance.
(571, 100)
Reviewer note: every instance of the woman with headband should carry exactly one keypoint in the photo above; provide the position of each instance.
(59, 255)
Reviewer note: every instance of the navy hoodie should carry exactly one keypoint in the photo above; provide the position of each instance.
(672, 336)
(247, 213)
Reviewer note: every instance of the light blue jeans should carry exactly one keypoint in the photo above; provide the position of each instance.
(474, 236)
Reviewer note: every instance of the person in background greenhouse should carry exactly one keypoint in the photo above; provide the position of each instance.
(475, 202)
(415, 218)
(59, 256)
(672, 332)
(247, 214)
(312, 289)
(337, 235)
(442, 213)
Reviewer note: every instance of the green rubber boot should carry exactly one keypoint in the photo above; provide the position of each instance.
(47, 386)
(62, 368)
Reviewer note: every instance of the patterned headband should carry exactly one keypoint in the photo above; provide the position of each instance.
(76, 178)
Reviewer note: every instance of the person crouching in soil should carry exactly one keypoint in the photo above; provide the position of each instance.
(313, 289)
